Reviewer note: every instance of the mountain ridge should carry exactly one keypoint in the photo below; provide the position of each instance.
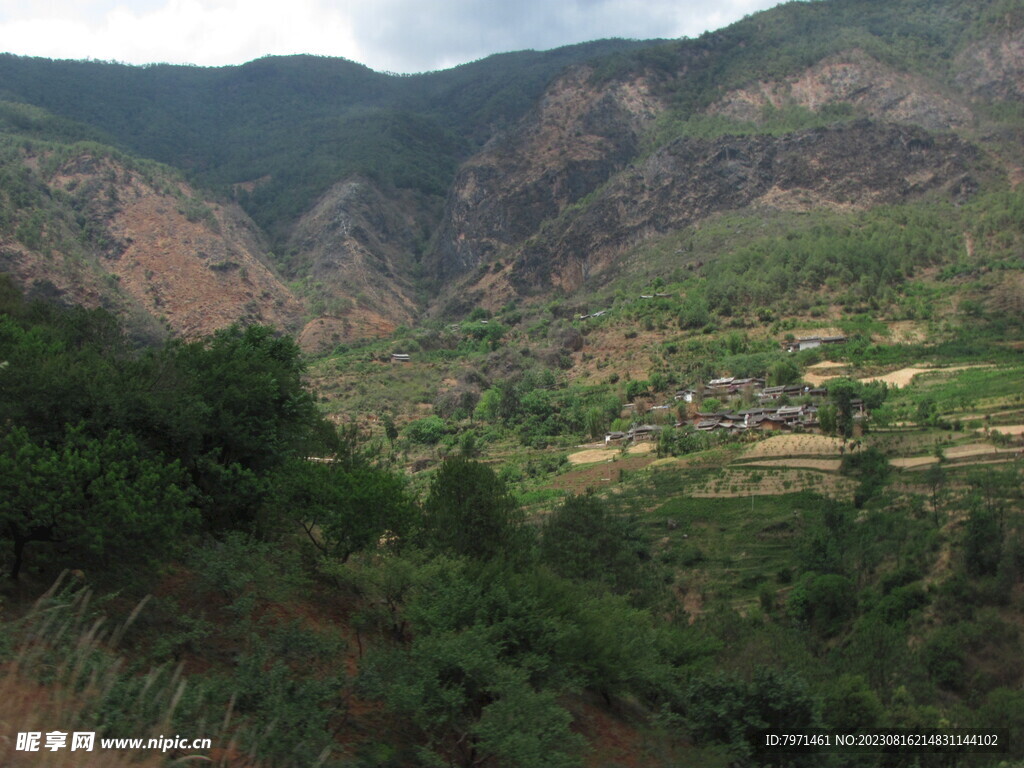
(528, 175)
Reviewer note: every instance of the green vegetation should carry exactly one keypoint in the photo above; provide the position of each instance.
(476, 627)
(298, 124)
(438, 581)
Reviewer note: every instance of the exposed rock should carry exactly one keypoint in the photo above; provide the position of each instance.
(852, 78)
(993, 68)
(360, 247)
(194, 264)
(576, 139)
(858, 164)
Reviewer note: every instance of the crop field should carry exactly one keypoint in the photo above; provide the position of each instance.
(795, 445)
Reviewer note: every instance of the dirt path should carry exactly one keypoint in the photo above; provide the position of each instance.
(905, 376)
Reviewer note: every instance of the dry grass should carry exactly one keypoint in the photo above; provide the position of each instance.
(63, 670)
(795, 445)
(592, 455)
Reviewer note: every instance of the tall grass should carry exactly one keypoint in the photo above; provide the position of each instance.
(61, 672)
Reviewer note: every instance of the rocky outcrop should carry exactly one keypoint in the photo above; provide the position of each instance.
(576, 139)
(854, 165)
(149, 242)
(993, 68)
(574, 188)
(855, 79)
(358, 250)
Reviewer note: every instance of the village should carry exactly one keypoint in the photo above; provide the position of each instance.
(789, 407)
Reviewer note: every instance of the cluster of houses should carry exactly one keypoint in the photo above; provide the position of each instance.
(638, 434)
(771, 412)
(732, 387)
(802, 417)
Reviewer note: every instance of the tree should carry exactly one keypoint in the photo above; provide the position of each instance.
(842, 394)
(982, 542)
(94, 497)
(782, 372)
(426, 431)
(390, 430)
(581, 540)
(723, 709)
(233, 408)
(827, 418)
(476, 679)
(469, 511)
(343, 509)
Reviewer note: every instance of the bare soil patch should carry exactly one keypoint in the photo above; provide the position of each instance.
(956, 452)
(599, 476)
(819, 373)
(905, 376)
(1007, 429)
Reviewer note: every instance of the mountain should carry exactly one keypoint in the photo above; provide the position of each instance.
(820, 106)
(371, 199)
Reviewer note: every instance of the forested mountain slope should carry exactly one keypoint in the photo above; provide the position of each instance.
(380, 197)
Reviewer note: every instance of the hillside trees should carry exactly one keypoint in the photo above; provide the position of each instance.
(94, 497)
(102, 443)
(469, 512)
(582, 540)
(342, 508)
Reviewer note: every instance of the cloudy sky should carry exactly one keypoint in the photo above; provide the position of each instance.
(387, 35)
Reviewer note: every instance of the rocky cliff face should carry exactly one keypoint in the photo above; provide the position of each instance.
(853, 78)
(854, 165)
(993, 68)
(551, 204)
(559, 201)
(575, 140)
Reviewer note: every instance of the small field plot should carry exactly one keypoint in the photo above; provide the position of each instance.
(747, 481)
(973, 390)
(794, 445)
(592, 455)
(825, 465)
(599, 476)
(959, 455)
(731, 545)
(1007, 429)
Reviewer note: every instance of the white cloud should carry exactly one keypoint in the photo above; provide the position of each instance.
(396, 35)
(205, 32)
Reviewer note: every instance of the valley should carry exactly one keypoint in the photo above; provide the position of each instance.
(606, 406)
